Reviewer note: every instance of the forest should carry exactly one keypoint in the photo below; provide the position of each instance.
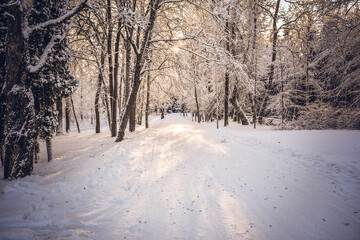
(293, 64)
(106, 72)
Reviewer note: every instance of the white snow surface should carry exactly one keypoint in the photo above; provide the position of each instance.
(184, 180)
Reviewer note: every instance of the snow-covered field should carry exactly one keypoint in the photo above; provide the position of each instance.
(184, 180)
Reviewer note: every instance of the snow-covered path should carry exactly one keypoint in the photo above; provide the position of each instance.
(182, 180)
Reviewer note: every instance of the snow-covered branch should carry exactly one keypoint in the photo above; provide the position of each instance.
(27, 30)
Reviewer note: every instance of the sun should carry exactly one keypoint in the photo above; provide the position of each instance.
(175, 49)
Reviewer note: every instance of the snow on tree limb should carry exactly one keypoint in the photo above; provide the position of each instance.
(27, 30)
(42, 60)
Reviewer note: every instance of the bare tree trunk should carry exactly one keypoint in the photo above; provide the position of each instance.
(139, 63)
(36, 152)
(226, 100)
(67, 114)
(59, 108)
(111, 76)
(162, 113)
(240, 113)
(254, 60)
(107, 104)
(227, 79)
(269, 86)
(81, 104)
(132, 98)
(132, 117)
(127, 83)
(97, 112)
(76, 120)
(49, 149)
(283, 111)
(98, 90)
(127, 70)
(197, 106)
(140, 115)
(147, 108)
(115, 90)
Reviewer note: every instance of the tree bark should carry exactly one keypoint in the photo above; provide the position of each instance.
(76, 120)
(20, 119)
(147, 108)
(116, 77)
(254, 61)
(49, 149)
(98, 91)
(238, 110)
(227, 78)
(132, 117)
(107, 104)
(140, 115)
(162, 113)
(59, 108)
(197, 106)
(139, 63)
(226, 100)
(126, 113)
(67, 114)
(97, 112)
(111, 77)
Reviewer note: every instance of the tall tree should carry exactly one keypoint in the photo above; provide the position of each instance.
(140, 56)
(269, 84)
(20, 121)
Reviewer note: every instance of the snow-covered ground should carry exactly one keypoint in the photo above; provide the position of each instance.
(184, 180)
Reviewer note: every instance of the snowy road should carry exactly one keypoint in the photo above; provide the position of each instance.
(182, 180)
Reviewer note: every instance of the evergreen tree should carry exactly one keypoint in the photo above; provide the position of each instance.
(54, 80)
(26, 57)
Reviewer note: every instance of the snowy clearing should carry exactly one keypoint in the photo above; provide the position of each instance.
(184, 180)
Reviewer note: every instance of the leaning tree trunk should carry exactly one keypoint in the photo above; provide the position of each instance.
(59, 107)
(132, 117)
(132, 98)
(20, 119)
(139, 63)
(239, 112)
